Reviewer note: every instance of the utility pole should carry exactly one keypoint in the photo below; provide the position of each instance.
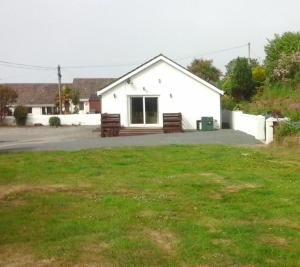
(249, 52)
(59, 88)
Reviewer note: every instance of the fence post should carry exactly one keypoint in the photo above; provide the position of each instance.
(260, 130)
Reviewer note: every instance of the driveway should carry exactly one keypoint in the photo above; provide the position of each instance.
(81, 137)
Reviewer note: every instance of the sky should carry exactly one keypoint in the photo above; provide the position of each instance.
(118, 35)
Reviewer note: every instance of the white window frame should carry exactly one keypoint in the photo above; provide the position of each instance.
(144, 112)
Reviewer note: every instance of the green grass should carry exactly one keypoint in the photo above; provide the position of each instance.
(206, 205)
(279, 91)
(281, 97)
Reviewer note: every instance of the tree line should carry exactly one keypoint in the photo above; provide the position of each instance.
(244, 77)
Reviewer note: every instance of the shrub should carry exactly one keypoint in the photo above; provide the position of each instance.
(259, 74)
(228, 102)
(54, 121)
(293, 115)
(276, 113)
(285, 129)
(20, 115)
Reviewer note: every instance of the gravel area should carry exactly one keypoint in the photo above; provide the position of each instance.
(82, 137)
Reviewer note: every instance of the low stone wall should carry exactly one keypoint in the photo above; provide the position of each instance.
(72, 119)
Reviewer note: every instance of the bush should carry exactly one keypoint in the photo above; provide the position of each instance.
(259, 74)
(54, 121)
(228, 102)
(293, 115)
(285, 129)
(20, 115)
(279, 51)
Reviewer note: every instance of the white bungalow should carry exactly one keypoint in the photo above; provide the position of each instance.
(161, 86)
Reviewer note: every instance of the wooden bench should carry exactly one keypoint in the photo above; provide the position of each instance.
(172, 122)
(110, 125)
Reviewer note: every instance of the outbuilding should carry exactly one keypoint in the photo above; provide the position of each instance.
(159, 86)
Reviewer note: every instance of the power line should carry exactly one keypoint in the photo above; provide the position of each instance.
(25, 68)
(24, 65)
(215, 52)
(21, 65)
(99, 66)
(38, 67)
(125, 65)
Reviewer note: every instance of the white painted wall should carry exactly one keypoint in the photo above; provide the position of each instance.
(72, 119)
(36, 111)
(270, 128)
(86, 106)
(250, 124)
(176, 92)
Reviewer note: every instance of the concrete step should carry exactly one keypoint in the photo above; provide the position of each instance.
(139, 131)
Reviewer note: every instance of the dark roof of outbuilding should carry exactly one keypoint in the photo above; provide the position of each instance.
(35, 93)
(88, 87)
(45, 93)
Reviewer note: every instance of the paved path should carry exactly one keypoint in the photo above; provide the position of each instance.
(81, 137)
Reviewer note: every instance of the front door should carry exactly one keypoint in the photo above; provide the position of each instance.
(144, 110)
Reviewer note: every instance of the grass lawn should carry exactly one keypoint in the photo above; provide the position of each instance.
(204, 205)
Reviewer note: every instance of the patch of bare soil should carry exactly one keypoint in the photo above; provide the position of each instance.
(225, 242)
(282, 222)
(20, 257)
(126, 192)
(274, 240)
(6, 190)
(164, 239)
(194, 265)
(238, 187)
(212, 224)
(284, 162)
(212, 176)
(148, 213)
(92, 256)
(215, 195)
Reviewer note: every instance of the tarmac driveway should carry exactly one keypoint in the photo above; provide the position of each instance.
(81, 137)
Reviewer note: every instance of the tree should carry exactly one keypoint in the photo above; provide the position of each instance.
(7, 98)
(277, 49)
(239, 75)
(66, 98)
(75, 97)
(231, 65)
(205, 70)
(259, 74)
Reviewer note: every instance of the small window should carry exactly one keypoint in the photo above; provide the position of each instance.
(44, 110)
(81, 105)
(29, 110)
(49, 110)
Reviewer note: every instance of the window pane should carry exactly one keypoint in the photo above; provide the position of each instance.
(49, 110)
(137, 110)
(151, 110)
(81, 105)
